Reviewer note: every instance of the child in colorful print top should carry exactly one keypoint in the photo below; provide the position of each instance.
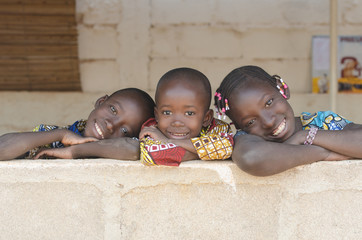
(270, 138)
(184, 127)
(108, 132)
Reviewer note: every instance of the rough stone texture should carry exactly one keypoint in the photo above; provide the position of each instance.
(109, 199)
(100, 76)
(50, 210)
(104, 44)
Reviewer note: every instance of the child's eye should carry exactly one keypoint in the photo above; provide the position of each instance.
(248, 124)
(189, 113)
(166, 112)
(124, 131)
(269, 102)
(113, 109)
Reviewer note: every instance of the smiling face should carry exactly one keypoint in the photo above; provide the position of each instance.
(260, 109)
(117, 116)
(181, 110)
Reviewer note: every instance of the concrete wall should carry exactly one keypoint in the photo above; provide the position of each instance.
(125, 43)
(134, 42)
(109, 199)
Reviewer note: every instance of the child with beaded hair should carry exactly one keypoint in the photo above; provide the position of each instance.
(270, 139)
(184, 127)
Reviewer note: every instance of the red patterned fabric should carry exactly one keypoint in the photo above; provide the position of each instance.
(154, 152)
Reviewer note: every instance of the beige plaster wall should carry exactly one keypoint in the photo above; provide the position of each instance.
(109, 199)
(134, 42)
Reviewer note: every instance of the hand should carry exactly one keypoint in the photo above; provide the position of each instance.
(65, 153)
(297, 138)
(154, 133)
(71, 138)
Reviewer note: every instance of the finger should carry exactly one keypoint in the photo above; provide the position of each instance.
(91, 139)
(41, 154)
(144, 133)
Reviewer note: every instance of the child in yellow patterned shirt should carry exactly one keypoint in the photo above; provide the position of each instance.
(184, 127)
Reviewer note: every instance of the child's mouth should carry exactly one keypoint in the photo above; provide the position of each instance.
(279, 129)
(178, 135)
(99, 131)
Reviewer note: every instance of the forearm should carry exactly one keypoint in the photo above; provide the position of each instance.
(116, 148)
(347, 142)
(185, 144)
(190, 156)
(13, 145)
(261, 158)
(191, 153)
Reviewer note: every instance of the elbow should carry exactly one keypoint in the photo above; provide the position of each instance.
(134, 152)
(250, 162)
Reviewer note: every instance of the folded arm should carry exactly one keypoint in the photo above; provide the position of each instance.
(15, 145)
(347, 141)
(263, 158)
(115, 148)
(154, 133)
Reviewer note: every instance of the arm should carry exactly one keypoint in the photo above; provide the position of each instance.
(14, 145)
(262, 158)
(115, 148)
(346, 142)
(213, 146)
(186, 144)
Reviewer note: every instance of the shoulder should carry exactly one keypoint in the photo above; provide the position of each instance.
(44, 127)
(217, 126)
(77, 127)
(326, 120)
(149, 122)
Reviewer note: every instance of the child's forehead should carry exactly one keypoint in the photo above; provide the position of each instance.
(181, 92)
(183, 85)
(255, 84)
(126, 100)
(251, 90)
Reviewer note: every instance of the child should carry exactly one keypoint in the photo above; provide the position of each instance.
(270, 139)
(184, 127)
(118, 118)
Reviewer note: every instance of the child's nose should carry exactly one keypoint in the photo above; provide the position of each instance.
(112, 125)
(109, 125)
(177, 123)
(268, 119)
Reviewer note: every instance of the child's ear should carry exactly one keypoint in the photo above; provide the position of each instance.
(100, 101)
(156, 113)
(208, 118)
(283, 88)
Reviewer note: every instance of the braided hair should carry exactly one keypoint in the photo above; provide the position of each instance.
(239, 78)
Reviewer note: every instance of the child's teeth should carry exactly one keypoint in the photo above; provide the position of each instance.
(279, 129)
(99, 130)
(179, 134)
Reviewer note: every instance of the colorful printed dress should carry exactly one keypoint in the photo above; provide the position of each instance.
(215, 142)
(77, 127)
(326, 120)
